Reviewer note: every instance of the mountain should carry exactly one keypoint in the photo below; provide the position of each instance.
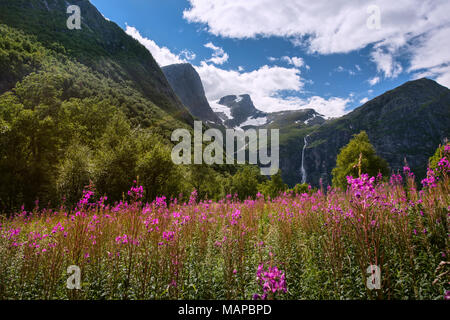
(406, 123)
(294, 118)
(49, 74)
(100, 45)
(239, 111)
(188, 86)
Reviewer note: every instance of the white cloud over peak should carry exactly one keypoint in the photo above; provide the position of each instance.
(265, 85)
(188, 55)
(162, 55)
(219, 55)
(262, 84)
(364, 100)
(431, 57)
(374, 81)
(386, 63)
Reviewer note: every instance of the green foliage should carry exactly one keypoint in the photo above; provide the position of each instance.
(245, 182)
(349, 163)
(206, 181)
(274, 186)
(302, 188)
(61, 121)
(438, 155)
(75, 172)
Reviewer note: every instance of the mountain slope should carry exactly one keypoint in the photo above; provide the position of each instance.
(100, 45)
(79, 106)
(188, 86)
(407, 123)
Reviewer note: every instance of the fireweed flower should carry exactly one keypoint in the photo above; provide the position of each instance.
(396, 179)
(168, 235)
(444, 165)
(235, 217)
(13, 233)
(87, 194)
(271, 280)
(122, 239)
(160, 202)
(447, 295)
(193, 198)
(208, 217)
(136, 192)
(57, 228)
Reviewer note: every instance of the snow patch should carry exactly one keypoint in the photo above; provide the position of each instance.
(219, 108)
(256, 122)
(310, 119)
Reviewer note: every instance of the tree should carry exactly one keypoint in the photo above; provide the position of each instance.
(274, 186)
(205, 180)
(75, 172)
(358, 156)
(245, 182)
(156, 171)
(301, 188)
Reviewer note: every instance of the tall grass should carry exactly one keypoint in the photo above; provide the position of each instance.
(316, 245)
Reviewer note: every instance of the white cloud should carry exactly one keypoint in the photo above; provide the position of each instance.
(295, 61)
(188, 55)
(342, 69)
(374, 81)
(162, 55)
(385, 63)
(432, 56)
(330, 108)
(219, 56)
(261, 84)
(362, 101)
(331, 26)
(265, 86)
(339, 26)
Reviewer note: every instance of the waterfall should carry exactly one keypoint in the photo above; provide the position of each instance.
(303, 170)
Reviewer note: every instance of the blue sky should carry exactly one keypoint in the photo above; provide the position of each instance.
(331, 56)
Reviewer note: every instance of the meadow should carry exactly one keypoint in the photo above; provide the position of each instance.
(313, 245)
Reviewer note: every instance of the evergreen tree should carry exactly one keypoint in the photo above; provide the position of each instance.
(358, 157)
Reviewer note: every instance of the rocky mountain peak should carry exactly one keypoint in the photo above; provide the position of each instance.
(186, 82)
(241, 111)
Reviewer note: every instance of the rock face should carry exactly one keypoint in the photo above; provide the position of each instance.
(188, 86)
(241, 112)
(407, 123)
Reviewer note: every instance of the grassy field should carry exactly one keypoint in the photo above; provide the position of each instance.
(316, 245)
